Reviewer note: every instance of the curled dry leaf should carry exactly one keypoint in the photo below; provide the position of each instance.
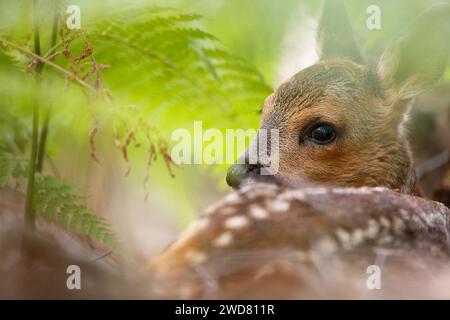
(166, 156)
(92, 134)
(123, 147)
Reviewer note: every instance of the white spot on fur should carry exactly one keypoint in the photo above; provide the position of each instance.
(343, 236)
(399, 225)
(279, 205)
(258, 213)
(236, 222)
(195, 257)
(233, 198)
(225, 239)
(293, 194)
(385, 222)
(372, 229)
(405, 215)
(357, 237)
(325, 246)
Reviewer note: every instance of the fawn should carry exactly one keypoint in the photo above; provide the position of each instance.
(342, 122)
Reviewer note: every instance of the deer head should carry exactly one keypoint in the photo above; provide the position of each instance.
(341, 121)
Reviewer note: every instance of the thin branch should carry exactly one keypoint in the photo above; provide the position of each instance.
(42, 143)
(29, 212)
(44, 131)
(103, 255)
(29, 207)
(37, 37)
(68, 74)
(55, 23)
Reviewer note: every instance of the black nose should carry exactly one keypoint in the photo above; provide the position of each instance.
(238, 172)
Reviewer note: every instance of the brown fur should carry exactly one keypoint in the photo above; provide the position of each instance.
(368, 150)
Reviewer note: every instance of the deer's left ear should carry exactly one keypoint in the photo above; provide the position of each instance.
(416, 61)
(335, 35)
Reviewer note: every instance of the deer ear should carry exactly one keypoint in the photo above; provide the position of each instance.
(417, 60)
(335, 35)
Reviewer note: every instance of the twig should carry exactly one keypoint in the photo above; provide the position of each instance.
(29, 212)
(103, 255)
(44, 131)
(42, 143)
(68, 74)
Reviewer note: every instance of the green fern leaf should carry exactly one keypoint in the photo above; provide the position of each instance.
(60, 203)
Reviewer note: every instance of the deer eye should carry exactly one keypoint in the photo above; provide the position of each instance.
(322, 133)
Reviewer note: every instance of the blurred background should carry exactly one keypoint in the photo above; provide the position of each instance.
(112, 92)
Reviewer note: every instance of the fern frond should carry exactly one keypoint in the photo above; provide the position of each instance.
(167, 62)
(60, 203)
